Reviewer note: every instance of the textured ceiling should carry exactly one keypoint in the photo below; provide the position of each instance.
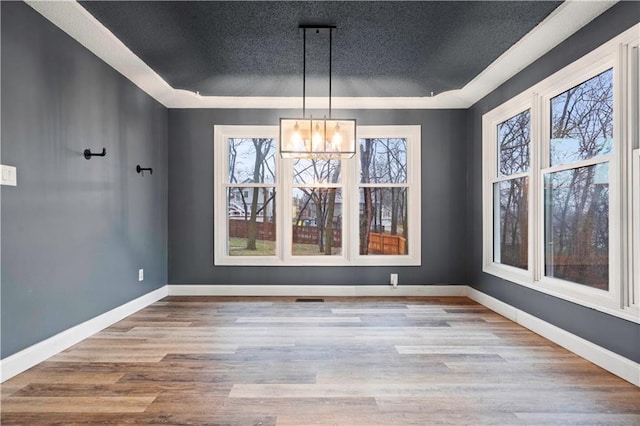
(380, 48)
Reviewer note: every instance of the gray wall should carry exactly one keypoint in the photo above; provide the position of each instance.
(620, 336)
(74, 232)
(191, 202)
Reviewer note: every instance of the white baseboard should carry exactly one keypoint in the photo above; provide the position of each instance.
(317, 290)
(610, 361)
(33, 355)
(494, 304)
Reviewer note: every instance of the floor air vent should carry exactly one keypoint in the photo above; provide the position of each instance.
(306, 299)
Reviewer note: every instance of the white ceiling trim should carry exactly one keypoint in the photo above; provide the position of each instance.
(74, 20)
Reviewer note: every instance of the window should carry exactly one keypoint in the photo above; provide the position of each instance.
(559, 166)
(250, 188)
(511, 191)
(576, 183)
(318, 207)
(508, 177)
(383, 227)
(359, 211)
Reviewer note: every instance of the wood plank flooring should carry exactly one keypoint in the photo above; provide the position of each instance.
(347, 361)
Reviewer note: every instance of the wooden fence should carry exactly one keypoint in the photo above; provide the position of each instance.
(239, 228)
(387, 244)
(378, 243)
(590, 260)
(591, 270)
(309, 235)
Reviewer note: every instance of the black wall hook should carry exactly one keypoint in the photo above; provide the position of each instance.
(141, 169)
(88, 154)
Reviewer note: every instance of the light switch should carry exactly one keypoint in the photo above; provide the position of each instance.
(9, 175)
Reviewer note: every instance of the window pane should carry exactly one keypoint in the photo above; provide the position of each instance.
(582, 121)
(514, 137)
(383, 221)
(317, 221)
(316, 171)
(512, 217)
(251, 221)
(383, 160)
(251, 160)
(577, 225)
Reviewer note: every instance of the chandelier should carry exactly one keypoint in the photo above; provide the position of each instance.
(309, 137)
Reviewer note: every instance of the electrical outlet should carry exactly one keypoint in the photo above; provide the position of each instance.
(394, 280)
(8, 174)
(140, 274)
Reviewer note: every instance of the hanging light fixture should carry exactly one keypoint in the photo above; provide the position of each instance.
(312, 137)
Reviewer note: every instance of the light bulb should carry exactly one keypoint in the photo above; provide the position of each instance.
(317, 139)
(336, 140)
(296, 139)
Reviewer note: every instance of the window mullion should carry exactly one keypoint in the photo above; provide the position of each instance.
(317, 185)
(250, 185)
(347, 190)
(601, 159)
(286, 214)
(543, 162)
(619, 227)
(536, 238)
(510, 177)
(352, 179)
(280, 207)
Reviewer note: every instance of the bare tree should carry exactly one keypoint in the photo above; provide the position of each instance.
(366, 218)
(330, 210)
(262, 147)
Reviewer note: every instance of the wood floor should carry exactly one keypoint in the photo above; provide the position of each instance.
(274, 361)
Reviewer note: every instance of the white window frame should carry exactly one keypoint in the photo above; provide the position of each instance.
(565, 81)
(632, 294)
(318, 260)
(221, 134)
(624, 274)
(490, 122)
(413, 185)
(350, 184)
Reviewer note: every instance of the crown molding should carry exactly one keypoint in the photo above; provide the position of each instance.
(77, 22)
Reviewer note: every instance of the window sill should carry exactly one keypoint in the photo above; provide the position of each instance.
(372, 260)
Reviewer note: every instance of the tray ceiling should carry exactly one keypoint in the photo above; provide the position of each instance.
(386, 54)
(381, 48)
